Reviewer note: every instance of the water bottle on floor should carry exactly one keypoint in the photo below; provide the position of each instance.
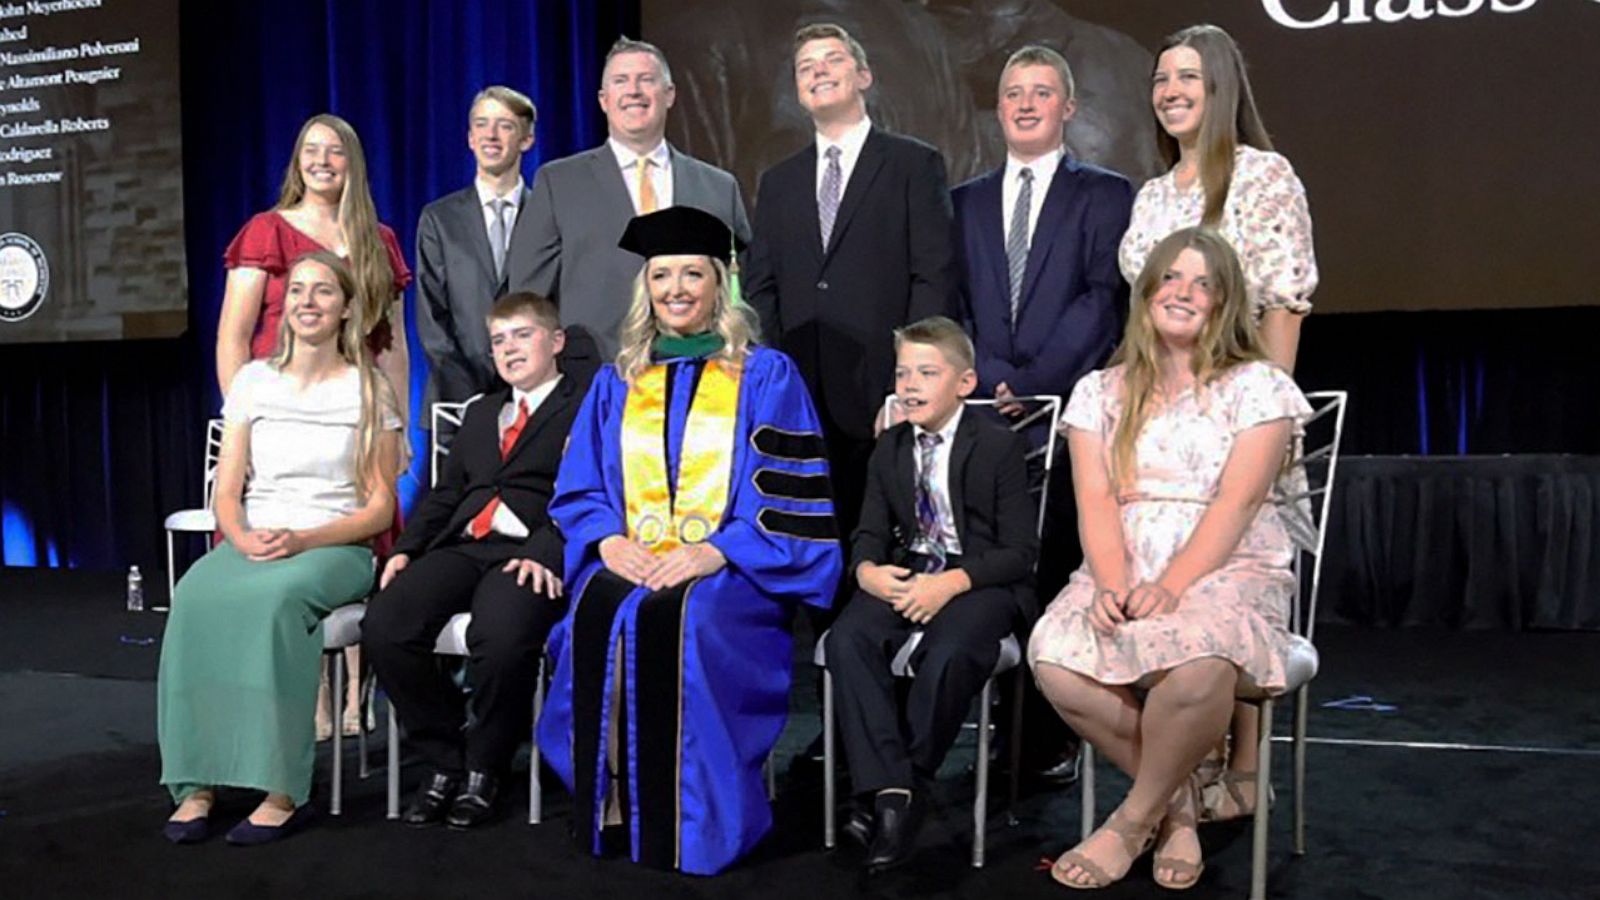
(135, 590)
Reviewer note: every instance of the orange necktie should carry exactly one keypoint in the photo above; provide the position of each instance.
(647, 188)
(479, 529)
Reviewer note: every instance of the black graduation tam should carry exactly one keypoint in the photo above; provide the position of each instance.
(680, 231)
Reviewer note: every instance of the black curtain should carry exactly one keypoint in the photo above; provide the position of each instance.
(1504, 542)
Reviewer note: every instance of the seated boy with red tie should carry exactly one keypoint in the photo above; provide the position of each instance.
(946, 543)
(482, 542)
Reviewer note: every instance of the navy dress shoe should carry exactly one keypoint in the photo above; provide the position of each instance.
(190, 831)
(899, 817)
(249, 834)
(433, 800)
(859, 826)
(475, 804)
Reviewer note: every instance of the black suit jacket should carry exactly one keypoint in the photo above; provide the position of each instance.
(1074, 301)
(525, 480)
(456, 285)
(994, 512)
(889, 261)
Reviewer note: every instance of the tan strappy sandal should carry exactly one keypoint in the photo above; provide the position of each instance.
(1232, 796)
(1136, 839)
(1185, 873)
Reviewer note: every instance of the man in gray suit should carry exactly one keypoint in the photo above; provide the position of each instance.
(462, 243)
(566, 246)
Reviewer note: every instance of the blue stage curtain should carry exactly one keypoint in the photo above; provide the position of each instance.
(99, 441)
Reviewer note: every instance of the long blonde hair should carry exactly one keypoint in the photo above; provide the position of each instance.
(1230, 116)
(735, 323)
(377, 395)
(358, 221)
(1227, 338)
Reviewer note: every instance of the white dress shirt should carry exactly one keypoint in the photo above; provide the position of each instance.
(941, 483)
(849, 145)
(660, 172)
(508, 214)
(504, 521)
(1044, 170)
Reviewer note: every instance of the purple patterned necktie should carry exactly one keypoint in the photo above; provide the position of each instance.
(828, 197)
(929, 531)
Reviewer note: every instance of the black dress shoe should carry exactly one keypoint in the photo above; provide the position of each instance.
(475, 804)
(189, 831)
(432, 801)
(249, 834)
(859, 825)
(1062, 773)
(899, 816)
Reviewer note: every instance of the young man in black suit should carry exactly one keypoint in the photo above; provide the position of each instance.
(947, 544)
(852, 239)
(482, 542)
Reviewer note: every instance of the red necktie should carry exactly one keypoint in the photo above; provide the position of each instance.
(479, 528)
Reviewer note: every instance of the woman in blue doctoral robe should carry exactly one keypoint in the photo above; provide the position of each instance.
(695, 503)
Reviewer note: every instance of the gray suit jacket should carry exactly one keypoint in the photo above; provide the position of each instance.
(565, 244)
(456, 285)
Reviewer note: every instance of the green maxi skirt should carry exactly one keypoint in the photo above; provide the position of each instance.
(239, 666)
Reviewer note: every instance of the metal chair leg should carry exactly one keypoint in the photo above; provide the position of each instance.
(535, 789)
(1019, 676)
(980, 806)
(363, 767)
(769, 771)
(828, 786)
(393, 787)
(1258, 843)
(1086, 789)
(172, 576)
(1302, 699)
(336, 691)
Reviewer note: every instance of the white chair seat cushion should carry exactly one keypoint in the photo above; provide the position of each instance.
(342, 627)
(192, 520)
(900, 666)
(1301, 665)
(453, 637)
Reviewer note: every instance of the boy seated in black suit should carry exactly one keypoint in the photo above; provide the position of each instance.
(946, 543)
(482, 542)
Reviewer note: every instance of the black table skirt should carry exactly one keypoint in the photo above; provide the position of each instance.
(1502, 542)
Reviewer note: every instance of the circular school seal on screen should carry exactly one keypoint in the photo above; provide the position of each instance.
(24, 276)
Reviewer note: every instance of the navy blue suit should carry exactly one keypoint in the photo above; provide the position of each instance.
(1072, 310)
(1074, 301)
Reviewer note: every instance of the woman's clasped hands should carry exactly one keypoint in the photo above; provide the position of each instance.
(1111, 608)
(629, 559)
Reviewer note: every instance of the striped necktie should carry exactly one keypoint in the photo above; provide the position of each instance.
(1017, 240)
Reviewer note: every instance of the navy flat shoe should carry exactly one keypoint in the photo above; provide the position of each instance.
(191, 831)
(249, 834)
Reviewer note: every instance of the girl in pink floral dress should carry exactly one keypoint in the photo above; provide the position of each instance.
(1185, 588)
(1224, 174)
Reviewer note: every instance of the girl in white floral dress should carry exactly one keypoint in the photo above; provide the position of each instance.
(1185, 588)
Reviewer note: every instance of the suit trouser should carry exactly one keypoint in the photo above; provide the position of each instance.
(959, 649)
(1046, 737)
(505, 642)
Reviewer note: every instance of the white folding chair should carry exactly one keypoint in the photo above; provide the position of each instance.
(195, 521)
(452, 640)
(341, 630)
(1319, 460)
(1047, 411)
